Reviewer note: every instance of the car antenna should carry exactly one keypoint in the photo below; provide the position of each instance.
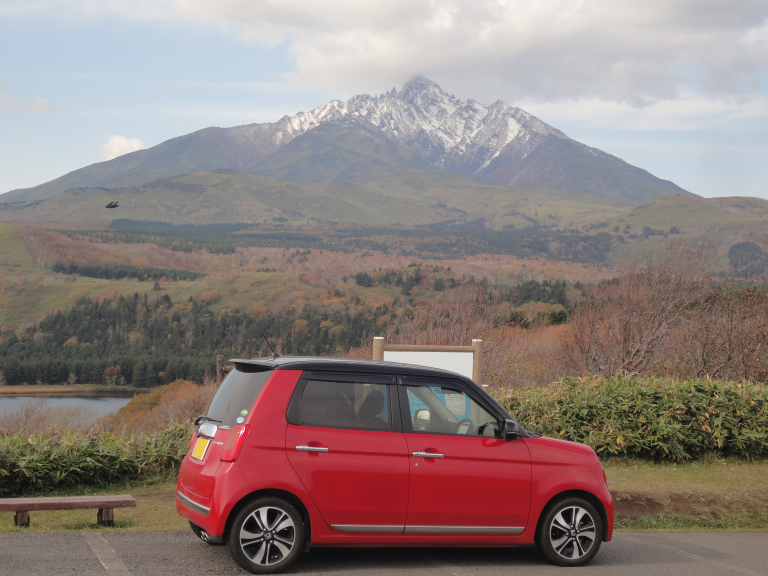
(274, 354)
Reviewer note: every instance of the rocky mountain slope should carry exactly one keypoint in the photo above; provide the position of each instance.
(420, 127)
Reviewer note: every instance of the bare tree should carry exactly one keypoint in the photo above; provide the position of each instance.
(456, 321)
(727, 338)
(453, 322)
(621, 326)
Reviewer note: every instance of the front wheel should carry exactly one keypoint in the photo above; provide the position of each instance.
(570, 532)
(267, 536)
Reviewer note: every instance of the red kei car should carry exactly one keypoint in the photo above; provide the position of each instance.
(300, 452)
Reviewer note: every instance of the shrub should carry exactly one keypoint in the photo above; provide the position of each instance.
(648, 418)
(41, 464)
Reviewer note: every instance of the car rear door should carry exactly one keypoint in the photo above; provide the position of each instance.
(344, 441)
(464, 477)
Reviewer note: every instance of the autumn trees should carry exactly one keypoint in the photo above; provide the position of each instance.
(664, 316)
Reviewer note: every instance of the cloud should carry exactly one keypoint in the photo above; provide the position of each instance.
(78, 9)
(622, 51)
(118, 145)
(632, 51)
(10, 103)
(689, 113)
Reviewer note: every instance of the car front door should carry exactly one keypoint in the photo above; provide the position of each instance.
(464, 477)
(345, 442)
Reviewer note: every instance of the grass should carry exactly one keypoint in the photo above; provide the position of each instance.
(705, 495)
(155, 511)
(711, 494)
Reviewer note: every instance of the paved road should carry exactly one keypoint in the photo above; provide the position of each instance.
(179, 553)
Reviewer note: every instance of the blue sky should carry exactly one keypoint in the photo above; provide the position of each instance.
(677, 87)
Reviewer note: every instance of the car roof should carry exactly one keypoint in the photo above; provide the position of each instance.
(346, 365)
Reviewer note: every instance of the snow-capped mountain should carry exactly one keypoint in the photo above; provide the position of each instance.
(457, 134)
(495, 144)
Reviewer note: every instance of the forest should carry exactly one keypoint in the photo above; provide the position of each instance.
(436, 241)
(145, 341)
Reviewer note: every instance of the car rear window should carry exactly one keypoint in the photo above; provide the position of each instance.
(237, 394)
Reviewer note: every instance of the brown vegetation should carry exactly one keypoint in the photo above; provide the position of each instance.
(622, 326)
(178, 402)
(725, 337)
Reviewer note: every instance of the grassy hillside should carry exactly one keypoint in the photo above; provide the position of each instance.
(720, 222)
(412, 198)
(339, 152)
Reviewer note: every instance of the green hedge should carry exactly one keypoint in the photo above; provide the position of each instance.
(41, 464)
(648, 418)
(640, 418)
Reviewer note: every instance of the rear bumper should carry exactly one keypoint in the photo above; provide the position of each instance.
(210, 514)
(191, 504)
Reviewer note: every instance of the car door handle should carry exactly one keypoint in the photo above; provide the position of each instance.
(427, 455)
(311, 449)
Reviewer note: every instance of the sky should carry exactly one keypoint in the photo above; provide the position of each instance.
(677, 87)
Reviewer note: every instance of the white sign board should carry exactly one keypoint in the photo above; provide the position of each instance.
(459, 362)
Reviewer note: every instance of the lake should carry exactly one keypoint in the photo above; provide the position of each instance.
(100, 405)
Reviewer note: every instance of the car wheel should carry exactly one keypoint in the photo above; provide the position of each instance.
(570, 532)
(267, 536)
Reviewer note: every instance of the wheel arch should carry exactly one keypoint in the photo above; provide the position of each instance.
(292, 499)
(589, 497)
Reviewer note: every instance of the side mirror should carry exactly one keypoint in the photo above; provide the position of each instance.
(511, 430)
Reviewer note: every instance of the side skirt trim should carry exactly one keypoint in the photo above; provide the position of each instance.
(383, 529)
(379, 529)
(464, 530)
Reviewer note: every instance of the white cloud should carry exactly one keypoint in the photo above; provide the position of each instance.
(630, 51)
(40, 105)
(10, 102)
(136, 9)
(634, 51)
(688, 113)
(118, 145)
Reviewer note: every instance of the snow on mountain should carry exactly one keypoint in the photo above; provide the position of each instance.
(457, 134)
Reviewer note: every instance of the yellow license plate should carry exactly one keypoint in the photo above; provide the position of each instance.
(200, 447)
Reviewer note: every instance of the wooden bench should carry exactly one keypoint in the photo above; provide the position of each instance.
(105, 504)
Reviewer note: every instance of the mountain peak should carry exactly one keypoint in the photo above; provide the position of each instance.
(492, 144)
(419, 83)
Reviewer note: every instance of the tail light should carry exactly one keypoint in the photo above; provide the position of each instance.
(234, 443)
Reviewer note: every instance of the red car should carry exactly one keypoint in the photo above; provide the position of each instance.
(301, 452)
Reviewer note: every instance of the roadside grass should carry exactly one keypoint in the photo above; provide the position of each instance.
(711, 494)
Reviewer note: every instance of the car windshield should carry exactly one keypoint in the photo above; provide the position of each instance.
(236, 395)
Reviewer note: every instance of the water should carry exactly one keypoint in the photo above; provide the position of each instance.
(99, 405)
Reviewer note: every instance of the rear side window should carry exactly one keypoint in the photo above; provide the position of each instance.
(236, 396)
(332, 404)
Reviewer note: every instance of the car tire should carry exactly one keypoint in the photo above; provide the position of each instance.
(570, 532)
(267, 536)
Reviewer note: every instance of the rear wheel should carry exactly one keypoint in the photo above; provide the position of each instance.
(570, 532)
(267, 536)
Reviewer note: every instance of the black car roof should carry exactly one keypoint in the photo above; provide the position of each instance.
(369, 366)
(346, 365)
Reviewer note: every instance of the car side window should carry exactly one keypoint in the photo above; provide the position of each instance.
(332, 404)
(447, 409)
